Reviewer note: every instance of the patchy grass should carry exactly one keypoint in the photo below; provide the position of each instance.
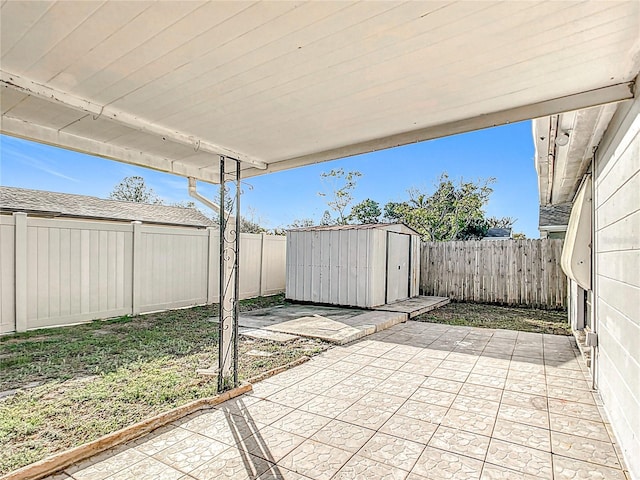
(96, 378)
(493, 316)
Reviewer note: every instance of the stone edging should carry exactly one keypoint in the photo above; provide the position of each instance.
(62, 460)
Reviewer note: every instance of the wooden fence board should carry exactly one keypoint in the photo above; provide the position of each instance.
(509, 272)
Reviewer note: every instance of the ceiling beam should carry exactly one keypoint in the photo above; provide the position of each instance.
(45, 92)
(591, 98)
(50, 136)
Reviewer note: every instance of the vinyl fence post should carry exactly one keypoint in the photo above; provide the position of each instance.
(136, 268)
(263, 274)
(20, 230)
(211, 271)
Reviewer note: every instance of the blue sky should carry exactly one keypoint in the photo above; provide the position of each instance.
(505, 153)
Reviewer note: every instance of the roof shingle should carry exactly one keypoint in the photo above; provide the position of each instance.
(554, 215)
(81, 206)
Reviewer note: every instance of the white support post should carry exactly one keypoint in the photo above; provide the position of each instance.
(136, 307)
(20, 230)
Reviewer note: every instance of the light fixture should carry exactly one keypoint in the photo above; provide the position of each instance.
(562, 139)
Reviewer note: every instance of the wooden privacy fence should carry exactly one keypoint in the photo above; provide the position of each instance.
(508, 272)
(57, 272)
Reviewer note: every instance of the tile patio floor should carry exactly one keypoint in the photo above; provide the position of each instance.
(418, 401)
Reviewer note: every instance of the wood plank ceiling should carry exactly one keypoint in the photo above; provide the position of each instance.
(282, 84)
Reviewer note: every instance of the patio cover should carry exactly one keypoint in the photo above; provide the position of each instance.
(171, 85)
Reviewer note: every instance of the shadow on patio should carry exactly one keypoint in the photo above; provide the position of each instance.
(416, 401)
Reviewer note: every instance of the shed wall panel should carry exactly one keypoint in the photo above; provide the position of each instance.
(378, 266)
(415, 266)
(345, 266)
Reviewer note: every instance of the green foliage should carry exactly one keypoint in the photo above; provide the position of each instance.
(326, 218)
(453, 212)
(297, 223)
(339, 195)
(367, 211)
(503, 222)
(518, 236)
(134, 189)
(302, 223)
(248, 225)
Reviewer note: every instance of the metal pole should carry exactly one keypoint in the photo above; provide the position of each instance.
(236, 295)
(222, 281)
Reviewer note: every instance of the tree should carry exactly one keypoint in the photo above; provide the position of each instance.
(134, 189)
(453, 212)
(339, 196)
(519, 236)
(393, 211)
(250, 222)
(367, 211)
(297, 223)
(301, 223)
(503, 222)
(326, 218)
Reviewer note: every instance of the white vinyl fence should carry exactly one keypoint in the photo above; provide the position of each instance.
(57, 272)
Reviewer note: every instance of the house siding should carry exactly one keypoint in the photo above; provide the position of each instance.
(617, 278)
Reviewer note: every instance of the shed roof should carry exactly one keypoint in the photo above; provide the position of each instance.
(169, 85)
(395, 227)
(81, 206)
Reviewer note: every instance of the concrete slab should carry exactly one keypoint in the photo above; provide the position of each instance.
(381, 320)
(260, 334)
(338, 325)
(415, 306)
(283, 313)
(324, 329)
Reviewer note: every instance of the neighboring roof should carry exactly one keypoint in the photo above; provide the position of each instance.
(393, 227)
(81, 206)
(554, 215)
(171, 85)
(498, 233)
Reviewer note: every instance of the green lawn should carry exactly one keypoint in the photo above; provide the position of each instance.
(75, 384)
(493, 316)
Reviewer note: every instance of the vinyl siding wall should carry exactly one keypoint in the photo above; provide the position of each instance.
(617, 277)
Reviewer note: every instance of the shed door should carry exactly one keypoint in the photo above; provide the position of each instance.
(398, 251)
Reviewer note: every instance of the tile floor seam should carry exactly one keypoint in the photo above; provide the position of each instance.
(586, 461)
(175, 467)
(495, 420)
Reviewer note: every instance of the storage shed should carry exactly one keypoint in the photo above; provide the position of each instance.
(353, 265)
